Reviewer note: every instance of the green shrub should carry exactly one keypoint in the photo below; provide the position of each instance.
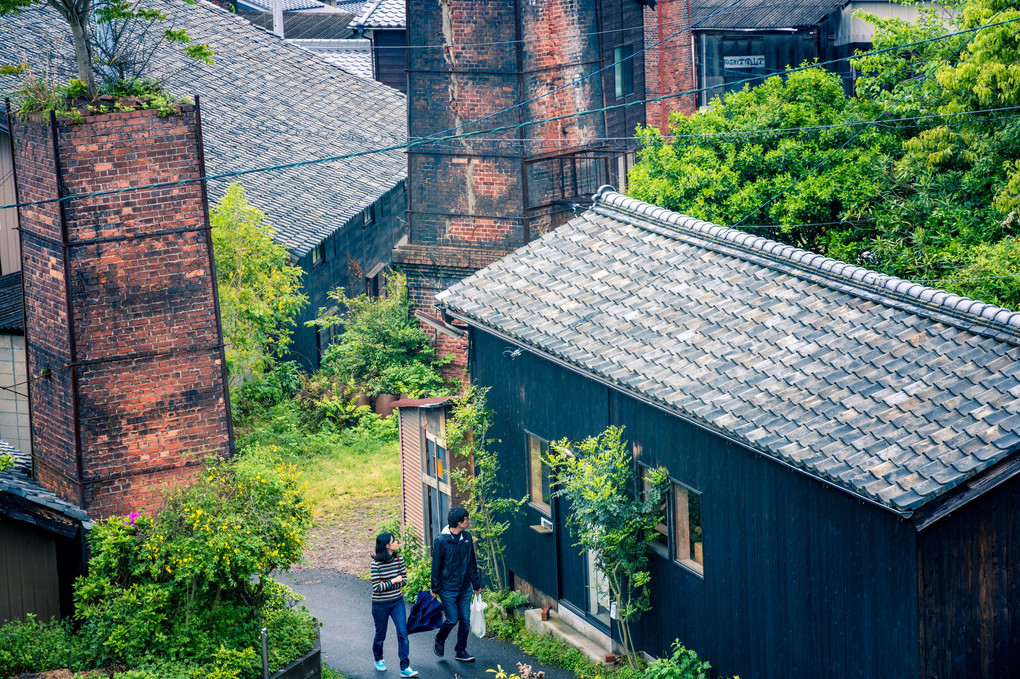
(192, 584)
(682, 663)
(33, 646)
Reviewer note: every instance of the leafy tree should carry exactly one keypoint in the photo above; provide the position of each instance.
(382, 348)
(467, 438)
(918, 178)
(610, 518)
(259, 289)
(116, 30)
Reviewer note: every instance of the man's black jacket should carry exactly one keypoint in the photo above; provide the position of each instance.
(453, 562)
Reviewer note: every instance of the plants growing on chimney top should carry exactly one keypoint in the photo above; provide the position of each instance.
(114, 41)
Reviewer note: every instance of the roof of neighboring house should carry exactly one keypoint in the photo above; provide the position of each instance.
(309, 24)
(288, 5)
(29, 501)
(352, 55)
(888, 389)
(382, 14)
(264, 102)
(12, 316)
(715, 15)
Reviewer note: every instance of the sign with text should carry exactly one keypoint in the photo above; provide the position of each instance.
(750, 61)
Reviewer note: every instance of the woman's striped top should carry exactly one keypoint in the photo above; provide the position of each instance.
(382, 572)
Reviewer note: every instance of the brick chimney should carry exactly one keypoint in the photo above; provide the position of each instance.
(669, 66)
(128, 385)
(473, 200)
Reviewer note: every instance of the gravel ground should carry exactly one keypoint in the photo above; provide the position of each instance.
(344, 542)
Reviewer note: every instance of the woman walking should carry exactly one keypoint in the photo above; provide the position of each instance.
(388, 578)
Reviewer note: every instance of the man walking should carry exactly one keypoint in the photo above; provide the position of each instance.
(454, 576)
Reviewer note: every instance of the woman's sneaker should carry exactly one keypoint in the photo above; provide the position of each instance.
(380, 665)
(409, 673)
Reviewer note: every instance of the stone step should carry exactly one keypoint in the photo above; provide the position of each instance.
(589, 640)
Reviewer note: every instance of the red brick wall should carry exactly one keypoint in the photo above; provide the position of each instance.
(125, 349)
(668, 67)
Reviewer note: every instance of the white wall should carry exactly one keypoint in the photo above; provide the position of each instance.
(14, 427)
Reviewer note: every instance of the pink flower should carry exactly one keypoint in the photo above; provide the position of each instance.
(131, 518)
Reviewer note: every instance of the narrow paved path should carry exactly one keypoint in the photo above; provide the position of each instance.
(343, 603)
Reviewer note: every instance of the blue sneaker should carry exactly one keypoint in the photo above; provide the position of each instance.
(380, 665)
(408, 672)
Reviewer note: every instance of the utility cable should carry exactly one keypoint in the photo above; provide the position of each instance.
(428, 140)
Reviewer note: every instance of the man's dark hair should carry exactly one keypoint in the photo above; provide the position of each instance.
(456, 515)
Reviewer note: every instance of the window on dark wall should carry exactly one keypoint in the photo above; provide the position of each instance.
(623, 70)
(318, 254)
(688, 537)
(324, 336)
(660, 541)
(539, 481)
(368, 217)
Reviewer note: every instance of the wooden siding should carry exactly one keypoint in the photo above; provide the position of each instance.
(800, 579)
(10, 249)
(410, 470)
(969, 589)
(390, 53)
(28, 572)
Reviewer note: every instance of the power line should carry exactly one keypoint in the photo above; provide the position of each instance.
(431, 140)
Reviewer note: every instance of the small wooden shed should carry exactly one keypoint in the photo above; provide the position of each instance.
(42, 546)
(842, 446)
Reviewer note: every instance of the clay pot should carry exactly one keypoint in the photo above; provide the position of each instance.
(384, 404)
(363, 400)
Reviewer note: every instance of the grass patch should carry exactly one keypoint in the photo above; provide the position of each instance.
(342, 469)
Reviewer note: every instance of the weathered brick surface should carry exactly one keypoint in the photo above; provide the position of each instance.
(125, 350)
(467, 196)
(668, 66)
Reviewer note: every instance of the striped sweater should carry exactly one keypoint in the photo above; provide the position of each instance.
(383, 590)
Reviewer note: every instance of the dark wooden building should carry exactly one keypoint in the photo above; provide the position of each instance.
(42, 545)
(841, 445)
(384, 22)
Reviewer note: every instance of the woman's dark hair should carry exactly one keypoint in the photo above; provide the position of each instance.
(456, 515)
(381, 553)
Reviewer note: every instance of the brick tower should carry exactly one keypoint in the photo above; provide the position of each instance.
(125, 354)
(475, 199)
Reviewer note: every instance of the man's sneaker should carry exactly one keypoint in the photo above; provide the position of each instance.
(380, 665)
(439, 648)
(409, 672)
(465, 657)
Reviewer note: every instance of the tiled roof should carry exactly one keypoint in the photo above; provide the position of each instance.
(12, 317)
(715, 15)
(264, 102)
(306, 25)
(382, 14)
(891, 390)
(354, 56)
(288, 5)
(18, 481)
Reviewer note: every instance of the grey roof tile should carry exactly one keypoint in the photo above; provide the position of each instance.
(264, 102)
(901, 420)
(382, 14)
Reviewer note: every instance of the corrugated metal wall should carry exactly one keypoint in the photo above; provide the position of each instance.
(28, 572)
(410, 470)
(10, 252)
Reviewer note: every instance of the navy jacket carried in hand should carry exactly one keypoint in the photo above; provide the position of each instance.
(453, 562)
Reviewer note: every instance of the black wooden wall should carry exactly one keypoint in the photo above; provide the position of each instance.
(350, 254)
(800, 579)
(390, 54)
(621, 23)
(970, 589)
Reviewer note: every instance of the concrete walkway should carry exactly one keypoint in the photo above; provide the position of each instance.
(343, 603)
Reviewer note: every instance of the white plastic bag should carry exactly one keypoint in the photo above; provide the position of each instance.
(478, 615)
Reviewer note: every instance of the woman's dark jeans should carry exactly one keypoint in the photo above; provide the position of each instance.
(381, 613)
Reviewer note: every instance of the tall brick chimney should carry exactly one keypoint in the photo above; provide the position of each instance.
(473, 200)
(128, 386)
(669, 61)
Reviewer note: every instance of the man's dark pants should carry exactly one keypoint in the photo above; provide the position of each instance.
(381, 613)
(456, 608)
